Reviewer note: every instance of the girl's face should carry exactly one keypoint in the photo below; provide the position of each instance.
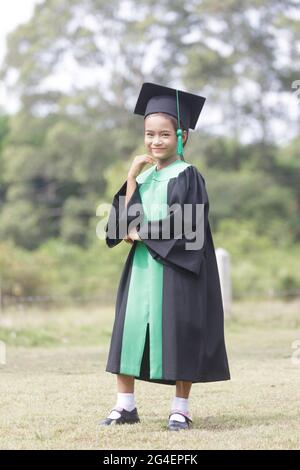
(160, 137)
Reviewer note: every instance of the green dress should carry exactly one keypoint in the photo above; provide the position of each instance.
(145, 295)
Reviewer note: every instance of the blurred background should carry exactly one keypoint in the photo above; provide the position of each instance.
(70, 74)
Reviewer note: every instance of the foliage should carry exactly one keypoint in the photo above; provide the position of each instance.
(68, 148)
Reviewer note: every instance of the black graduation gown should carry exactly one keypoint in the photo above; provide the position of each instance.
(192, 317)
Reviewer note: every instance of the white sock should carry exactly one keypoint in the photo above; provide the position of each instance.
(125, 400)
(181, 404)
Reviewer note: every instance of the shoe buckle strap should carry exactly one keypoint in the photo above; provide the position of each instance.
(180, 412)
(117, 408)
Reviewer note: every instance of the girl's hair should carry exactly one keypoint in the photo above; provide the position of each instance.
(174, 122)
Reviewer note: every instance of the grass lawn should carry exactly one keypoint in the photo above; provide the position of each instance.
(54, 387)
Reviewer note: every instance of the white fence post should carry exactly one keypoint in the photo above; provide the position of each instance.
(223, 261)
(2, 353)
(1, 298)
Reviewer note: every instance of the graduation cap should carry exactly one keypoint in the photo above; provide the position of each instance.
(184, 106)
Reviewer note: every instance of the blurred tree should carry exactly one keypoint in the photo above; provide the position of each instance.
(4, 131)
(76, 66)
(287, 174)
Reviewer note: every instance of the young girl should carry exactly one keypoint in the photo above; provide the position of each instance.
(169, 321)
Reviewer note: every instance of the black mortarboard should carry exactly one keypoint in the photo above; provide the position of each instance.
(184, 106)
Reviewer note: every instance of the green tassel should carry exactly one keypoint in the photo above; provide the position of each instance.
(179, 131)
(179, 142)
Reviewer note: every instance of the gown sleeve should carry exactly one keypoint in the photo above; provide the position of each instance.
(188, 188)
(122, 218)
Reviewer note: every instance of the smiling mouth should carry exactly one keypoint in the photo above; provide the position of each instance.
(158, 149)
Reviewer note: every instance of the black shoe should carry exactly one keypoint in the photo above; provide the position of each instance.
(127, 417)
(174, 425)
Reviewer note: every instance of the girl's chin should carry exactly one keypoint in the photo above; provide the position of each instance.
(159, 155)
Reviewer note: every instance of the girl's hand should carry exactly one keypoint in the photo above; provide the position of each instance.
(128, 240)
(138, 164)
(132, 236)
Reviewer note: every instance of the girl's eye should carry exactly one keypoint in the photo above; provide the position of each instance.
(150, 135)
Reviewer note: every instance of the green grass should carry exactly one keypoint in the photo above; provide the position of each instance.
(71, 326)
(54, 387)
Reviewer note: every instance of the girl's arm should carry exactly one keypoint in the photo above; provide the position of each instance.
(127, 195)
(136, 167)
(131, 186)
